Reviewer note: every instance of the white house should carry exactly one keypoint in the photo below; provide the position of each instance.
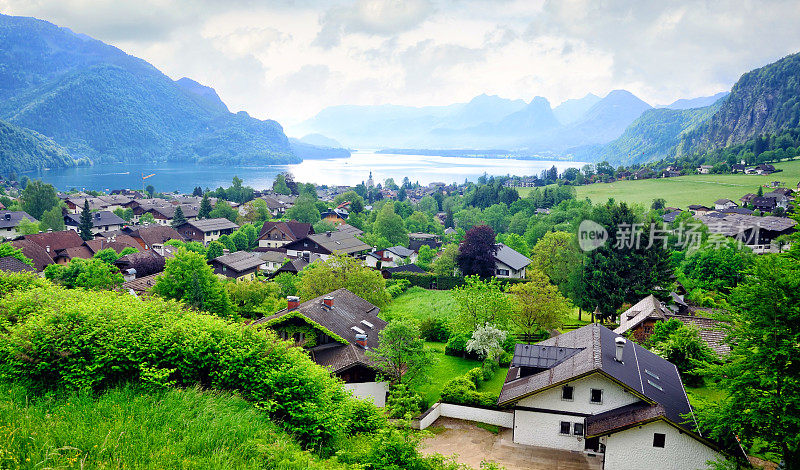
(9, 220)
(723, 204)
(510, 263)
(102, 221)
(590, 390)
(390, 257)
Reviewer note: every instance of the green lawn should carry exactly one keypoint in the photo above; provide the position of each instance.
(419, 304)
(444, 368)
(685, 190)
(692, 189)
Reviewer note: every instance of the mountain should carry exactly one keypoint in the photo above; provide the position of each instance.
(700, 102)
(24, 150)
(102, 104)
(481, 109)
(320, 141)
(572, 110)
(654, 135)
(763, 101)
(315, 152)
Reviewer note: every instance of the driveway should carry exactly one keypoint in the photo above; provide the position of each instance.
(470, 445)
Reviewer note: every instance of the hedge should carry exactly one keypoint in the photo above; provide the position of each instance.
(434, 281)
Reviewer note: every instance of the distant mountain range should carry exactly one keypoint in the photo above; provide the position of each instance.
(97, 103)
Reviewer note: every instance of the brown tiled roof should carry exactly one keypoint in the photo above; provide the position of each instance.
(240, 261)
(648, 307)
(13, 265)
(156, 235)
(82, 252)
(293, 229)
(56, 240)
(623, 417)
(119, 243)
(141, 284)
(712, 331)
(34, 252)
(350, 315)
(144, 262)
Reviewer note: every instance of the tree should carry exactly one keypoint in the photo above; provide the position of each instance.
(198, 191)
(717, 268)
(215, 250)
(355, 200)
(400, 355)
(38, 198)
(7, 250)
(517, 243)
(178, 219)
(658, 204)
(280, 186)
(252, 235)
(150, 190)
(343, 271)
(85, 225)
(147, 219)
(227, 242)
(683, 346)
(476, 252)
(127, 251)
(89, 274)
(107, 255)
(537, 304)
(223, 210)
(205, 208)
(480, 302)
(487, 342)
(187, 277)
(240, 240)
(556, 255)
(52, 220)
(390, 226)
(761, 375)
(304, 210)
(445, 264)
(27, 227)
(425, 257)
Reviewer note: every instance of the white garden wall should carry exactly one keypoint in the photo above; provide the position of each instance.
(467, 413)
(374, 390)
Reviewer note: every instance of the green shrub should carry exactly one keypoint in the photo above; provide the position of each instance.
(434, 329)
(402, 402)
(395, 287)
(462, 390)
(457, 344)
(475, 375)
(364, 417)
(489, 368)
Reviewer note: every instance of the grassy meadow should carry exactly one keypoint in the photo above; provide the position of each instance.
(684, 190)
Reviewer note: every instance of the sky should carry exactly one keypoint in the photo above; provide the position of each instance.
(288, 59)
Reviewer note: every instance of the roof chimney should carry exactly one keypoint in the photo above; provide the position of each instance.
(620, 343)
(292, 302)
(328, 301)
(328, 233)
(226, 251)
(361, 340)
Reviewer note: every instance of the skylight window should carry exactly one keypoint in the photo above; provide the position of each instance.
(652, 374)
(368, 324)
(358, 330)
(655, 385)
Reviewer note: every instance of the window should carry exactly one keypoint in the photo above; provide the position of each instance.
(577, 429)
(659, 439)
(596, 396)
(565, 427)
(566, 392)
(502, 272)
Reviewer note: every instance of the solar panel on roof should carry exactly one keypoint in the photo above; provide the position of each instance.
(543, 357)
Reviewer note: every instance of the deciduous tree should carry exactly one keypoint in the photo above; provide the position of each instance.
(189, 278)
(38, 197)
(537, 304)
(343, 271)
(400, 356)
(481, 302)
(476, 252)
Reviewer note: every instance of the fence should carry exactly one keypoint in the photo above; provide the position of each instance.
(503, 419)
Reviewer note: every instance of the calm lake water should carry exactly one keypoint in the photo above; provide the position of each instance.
(339, 171)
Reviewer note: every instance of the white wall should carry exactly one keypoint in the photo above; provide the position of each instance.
(614, 396)
(374, 390)
(469, 413)
(436, 412)
(633, 449)
(542, 429)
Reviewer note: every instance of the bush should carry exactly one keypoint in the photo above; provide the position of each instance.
(434, 281)
(434, 329)
(462, 390)
(364, 417)
(489, 368)
(402, 402)
(457, 344)
(60, 339)
(395, 287)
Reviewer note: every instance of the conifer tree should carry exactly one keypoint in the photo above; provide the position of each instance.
(205, 208)
(178, 219)
(85, 226)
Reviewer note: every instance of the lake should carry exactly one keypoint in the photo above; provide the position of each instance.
(184, 177)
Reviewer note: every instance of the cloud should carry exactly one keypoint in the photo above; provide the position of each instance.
(287, 59)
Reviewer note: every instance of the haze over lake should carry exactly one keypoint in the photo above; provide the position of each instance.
(183, 177)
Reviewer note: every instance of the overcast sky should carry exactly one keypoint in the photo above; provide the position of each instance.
(286, 60)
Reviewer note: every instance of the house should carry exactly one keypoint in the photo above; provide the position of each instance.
(416, 240)
(275, 207)
(164, 214)
(738, 168)
(722, 204)
(670, 173)
(275, 234)
(154, 237)
(670, 217)
(782, 191)
(115, 242)
(591, 390)
(9, 220)
(747, 198)
(102, 221)
(337, 329)
(390, 257)
(696, 208)
(272, 260)
(59, 246)
(764, 204)
(241, 265)
(38, 254)
(704, 169)
(10, 264)
(140, 285)
(335, 216)
(765, 169)
(406, 268)
(293, 266)
(758, 233)
(141, 264)
(510, 263)
(326, 244)
(206, 230)
(76, 204)
(738, 210)
(354, 231)
(781, 200)
(640, 318)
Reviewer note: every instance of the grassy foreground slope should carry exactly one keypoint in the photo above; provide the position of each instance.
(128, 427)
(692, 189)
